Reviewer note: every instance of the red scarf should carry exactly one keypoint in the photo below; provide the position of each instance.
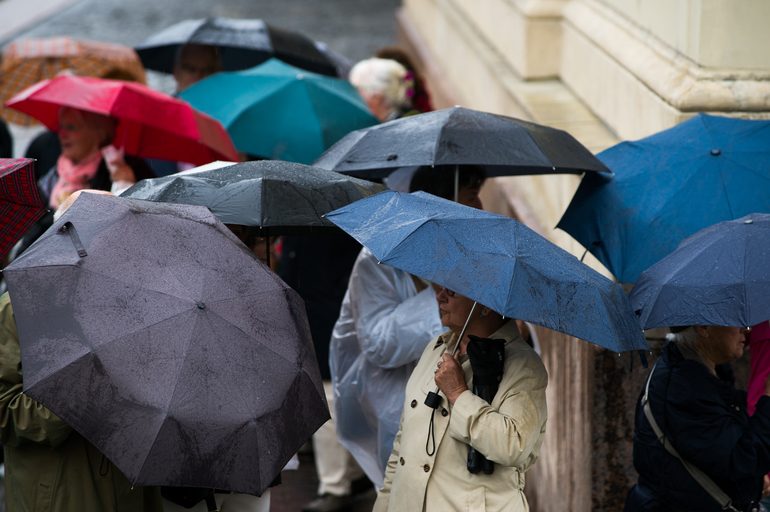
(73, 177)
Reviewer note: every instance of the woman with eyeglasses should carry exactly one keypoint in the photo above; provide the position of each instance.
(427, 470)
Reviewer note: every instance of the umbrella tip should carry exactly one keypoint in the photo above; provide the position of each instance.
(458, 106)
(749, 221)
(300, 76)
(715, 152)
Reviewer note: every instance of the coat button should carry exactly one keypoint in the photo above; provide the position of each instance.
(401, 460)
(414, 404)
(444, 412)
(426, 467)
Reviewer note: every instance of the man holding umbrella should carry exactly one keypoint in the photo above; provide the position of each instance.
(50, 466)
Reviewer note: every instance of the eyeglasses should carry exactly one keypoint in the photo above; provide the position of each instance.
(448, 291)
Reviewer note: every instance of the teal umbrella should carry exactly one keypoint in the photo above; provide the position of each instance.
(281, 112)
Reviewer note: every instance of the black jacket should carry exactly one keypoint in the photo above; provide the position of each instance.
(705, 419)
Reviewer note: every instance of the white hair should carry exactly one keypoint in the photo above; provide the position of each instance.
(685, 337)
(387, 77)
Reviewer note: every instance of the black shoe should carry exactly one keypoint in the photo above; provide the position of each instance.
(329, 503)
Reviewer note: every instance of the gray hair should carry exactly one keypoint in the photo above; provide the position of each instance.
(387, 77)
(685, 342)
(685, 337)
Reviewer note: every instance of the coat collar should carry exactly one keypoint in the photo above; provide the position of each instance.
(509, 332)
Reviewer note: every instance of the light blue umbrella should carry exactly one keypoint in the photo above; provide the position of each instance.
(281, 112)
(496, 261)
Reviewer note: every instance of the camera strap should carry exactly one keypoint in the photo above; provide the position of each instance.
(702, 478)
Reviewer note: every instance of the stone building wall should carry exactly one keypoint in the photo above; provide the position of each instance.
(605, 71)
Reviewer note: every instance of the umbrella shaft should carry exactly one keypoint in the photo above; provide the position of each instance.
(465, 328)
(433, 400)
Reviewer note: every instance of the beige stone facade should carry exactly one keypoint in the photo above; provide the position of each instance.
(605, 71)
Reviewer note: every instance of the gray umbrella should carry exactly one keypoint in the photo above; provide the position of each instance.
(242, 44)
(278, 197)
(153, 332)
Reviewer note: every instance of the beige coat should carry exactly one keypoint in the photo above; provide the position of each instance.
(509, 432)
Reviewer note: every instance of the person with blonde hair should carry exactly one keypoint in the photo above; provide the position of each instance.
(386, 87)
(88, 160)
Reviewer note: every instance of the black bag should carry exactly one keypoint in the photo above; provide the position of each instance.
(487, 359)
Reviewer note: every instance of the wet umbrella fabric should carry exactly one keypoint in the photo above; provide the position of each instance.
(281, 112)
(718, 276)
(667, 187)
(458, 136)
(20, 202)
(166, 344)
(27, 61)
(152, 124)
(242, 44)
(278, 197)
(495, 261)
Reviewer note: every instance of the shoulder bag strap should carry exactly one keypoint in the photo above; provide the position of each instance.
(707, 483)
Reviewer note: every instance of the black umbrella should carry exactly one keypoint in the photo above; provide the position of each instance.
(276, 197)
(458, 136)
(242, 44)
(158, 336)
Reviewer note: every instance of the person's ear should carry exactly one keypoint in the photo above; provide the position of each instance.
(702, 331)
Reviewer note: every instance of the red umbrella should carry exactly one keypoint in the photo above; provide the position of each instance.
(20, 202)
(152, 124)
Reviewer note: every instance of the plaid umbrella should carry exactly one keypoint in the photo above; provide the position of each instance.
(29, 61)
(20, 202)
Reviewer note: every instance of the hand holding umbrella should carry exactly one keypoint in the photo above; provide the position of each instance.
(450, 378)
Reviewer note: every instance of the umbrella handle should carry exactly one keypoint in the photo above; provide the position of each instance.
(433, 400)
(68, 227)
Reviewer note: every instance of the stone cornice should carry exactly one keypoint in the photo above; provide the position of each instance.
(676, 79)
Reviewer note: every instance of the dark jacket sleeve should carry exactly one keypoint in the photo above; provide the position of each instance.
(22, 419)
(714, 434)
(6, 141)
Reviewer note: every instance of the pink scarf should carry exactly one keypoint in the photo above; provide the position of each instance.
(73, 177)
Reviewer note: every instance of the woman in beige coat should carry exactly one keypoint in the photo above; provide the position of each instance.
(509, 431)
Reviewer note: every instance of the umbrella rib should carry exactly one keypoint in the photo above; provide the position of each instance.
(247, 334)
(165, 416)
(159, 292)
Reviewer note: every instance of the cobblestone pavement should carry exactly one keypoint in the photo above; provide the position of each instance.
(354, 28)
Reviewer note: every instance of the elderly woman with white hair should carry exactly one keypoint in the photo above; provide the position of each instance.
(386, 87)
(691, 416)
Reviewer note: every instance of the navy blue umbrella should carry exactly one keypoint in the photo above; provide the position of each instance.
(718, 276)
(495, 261)
(667, 187)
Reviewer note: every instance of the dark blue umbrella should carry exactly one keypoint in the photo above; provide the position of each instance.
(718, 276)
(667, 187)
(495, 261)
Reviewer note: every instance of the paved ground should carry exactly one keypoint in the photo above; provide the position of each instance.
(355, 28)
